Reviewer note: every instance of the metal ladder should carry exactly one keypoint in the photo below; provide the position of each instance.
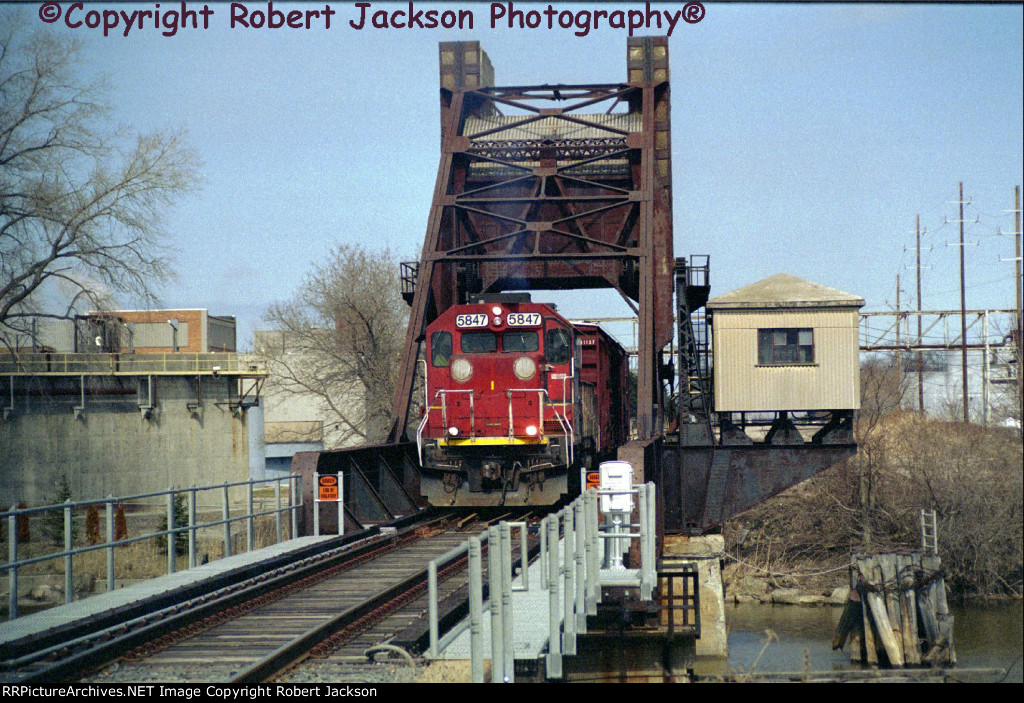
(929, 532)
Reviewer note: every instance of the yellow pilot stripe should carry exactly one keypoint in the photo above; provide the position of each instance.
(490, 442)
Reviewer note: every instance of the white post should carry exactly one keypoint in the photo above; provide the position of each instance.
(432, 606)
(593, 553)
(581, 566)
(476, 608)
(341, 503)
(543, 558)
(192, 556)
(494, 590)
(507, 645)
(170, 532)
(110, 543)
(226, 516)
(250, 523)
(295, 488)
(569, 590)
(985, 373)
(12, 559)
(554, 657)
(278, 532)
(524, 555)
(69, 586)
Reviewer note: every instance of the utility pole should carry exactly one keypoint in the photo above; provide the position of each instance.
(963, 310)
(1018, 336)
(920, 356)
(985, 376)
(899, 354)
(1020, 310)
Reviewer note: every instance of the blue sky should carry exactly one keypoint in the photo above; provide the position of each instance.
(805, 140)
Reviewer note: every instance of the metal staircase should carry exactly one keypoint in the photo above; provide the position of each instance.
(692, 288)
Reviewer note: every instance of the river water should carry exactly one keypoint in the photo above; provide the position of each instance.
(986, 636)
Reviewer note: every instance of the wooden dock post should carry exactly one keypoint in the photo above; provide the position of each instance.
(897, 615)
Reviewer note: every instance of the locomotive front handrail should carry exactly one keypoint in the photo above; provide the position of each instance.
(542, 394)
(563, 422)
(444, 408)
(540, 408)
(444, 417)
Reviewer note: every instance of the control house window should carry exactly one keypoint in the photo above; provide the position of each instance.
(785, 346)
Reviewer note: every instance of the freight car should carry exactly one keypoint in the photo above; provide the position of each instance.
(517, 400)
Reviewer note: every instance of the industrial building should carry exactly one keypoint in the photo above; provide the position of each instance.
(133, 418)
(293, 422)
(785, 344)
(190, 330)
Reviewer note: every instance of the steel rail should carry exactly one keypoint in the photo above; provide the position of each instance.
(381, 604)
(294, 652)
(103, 646)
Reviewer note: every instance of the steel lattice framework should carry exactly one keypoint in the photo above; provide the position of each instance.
(550, 187)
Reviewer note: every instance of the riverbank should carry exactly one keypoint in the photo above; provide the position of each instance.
(811, 588)
(813, 585)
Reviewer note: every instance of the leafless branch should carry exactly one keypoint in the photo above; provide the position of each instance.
(339, 341)
(78, 205)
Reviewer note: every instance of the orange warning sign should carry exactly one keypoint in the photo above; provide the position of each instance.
(328, 488)
(593, 480)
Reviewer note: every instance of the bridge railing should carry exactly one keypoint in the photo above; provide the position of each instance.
(178, 539)
(569, 567)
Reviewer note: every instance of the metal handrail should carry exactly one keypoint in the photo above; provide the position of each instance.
(572, 576)
(563, 421)
(444, 416)
(14, 564)
(60, 363)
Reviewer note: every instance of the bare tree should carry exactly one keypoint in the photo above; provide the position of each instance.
(969, 474)
(339, 340)
(883, 389)
(80, 204)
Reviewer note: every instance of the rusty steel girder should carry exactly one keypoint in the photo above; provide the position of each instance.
(550, 187)
(702, 487)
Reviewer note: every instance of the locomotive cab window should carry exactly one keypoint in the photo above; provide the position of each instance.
(441, 349)
(785, 346)
(478, 342)
(520, 341)
(557, 345)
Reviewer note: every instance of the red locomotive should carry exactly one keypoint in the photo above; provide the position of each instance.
(517, 401)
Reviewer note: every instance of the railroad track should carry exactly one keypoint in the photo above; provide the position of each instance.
(67, 653)
(326, 627)
(322, 622)
(392, 621)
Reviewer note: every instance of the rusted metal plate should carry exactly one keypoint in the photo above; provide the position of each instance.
(381, 482)
(701, 487)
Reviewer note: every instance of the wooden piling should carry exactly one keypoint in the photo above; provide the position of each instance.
(897, 615)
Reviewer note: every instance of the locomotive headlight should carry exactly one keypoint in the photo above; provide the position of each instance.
(461, 370)
(524, 368)
(496, 310)
(531, 430)
(453, 431)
